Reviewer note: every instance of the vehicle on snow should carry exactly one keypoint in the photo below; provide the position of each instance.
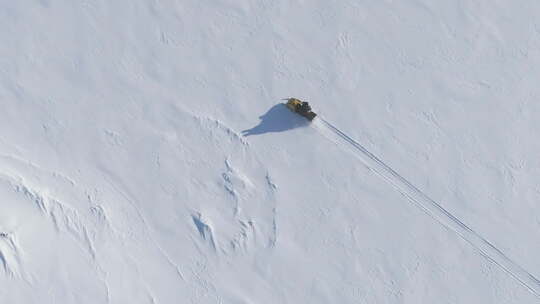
(300, 107)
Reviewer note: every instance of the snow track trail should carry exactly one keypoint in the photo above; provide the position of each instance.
(428, 205)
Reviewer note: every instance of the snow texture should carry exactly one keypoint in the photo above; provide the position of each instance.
(146, 155)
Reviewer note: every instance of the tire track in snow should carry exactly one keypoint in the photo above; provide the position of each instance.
(428, 205)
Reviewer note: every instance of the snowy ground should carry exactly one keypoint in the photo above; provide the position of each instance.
(145, 156)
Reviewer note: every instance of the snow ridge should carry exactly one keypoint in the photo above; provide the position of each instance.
(428, 205)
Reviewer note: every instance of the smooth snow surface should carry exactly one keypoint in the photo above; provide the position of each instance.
(145, 155)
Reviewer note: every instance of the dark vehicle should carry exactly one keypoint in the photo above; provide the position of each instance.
(301, 107)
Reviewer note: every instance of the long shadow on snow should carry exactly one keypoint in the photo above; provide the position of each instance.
(277, 119)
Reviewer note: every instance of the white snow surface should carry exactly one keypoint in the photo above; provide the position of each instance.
(146, 155)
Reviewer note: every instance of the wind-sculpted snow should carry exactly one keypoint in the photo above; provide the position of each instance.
(146, 155)
(34, 223)
(9, 255)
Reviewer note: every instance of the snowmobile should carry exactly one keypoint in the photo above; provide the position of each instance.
(300, 107)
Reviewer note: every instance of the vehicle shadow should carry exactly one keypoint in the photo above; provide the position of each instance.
(277, 119)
